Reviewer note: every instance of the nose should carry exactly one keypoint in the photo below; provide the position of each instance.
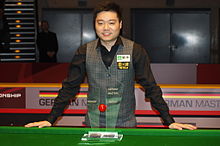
(106, 26)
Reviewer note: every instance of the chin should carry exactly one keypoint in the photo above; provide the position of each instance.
(108, 39)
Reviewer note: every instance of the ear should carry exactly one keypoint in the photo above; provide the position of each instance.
(120, 24)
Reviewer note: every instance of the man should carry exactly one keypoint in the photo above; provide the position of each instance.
(47, 44)
(111, 63)
(4, 31)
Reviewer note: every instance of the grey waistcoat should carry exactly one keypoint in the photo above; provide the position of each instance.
(111, 86)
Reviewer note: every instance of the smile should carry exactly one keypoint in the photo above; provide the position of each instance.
(106, 34)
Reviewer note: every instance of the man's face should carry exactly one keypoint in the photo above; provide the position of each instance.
(1, 12)
(44, 26)
(107, 26)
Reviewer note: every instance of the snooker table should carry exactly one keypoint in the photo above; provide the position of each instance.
(62, 136)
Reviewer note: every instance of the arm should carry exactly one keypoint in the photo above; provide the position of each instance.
(38, 41)
(53, 47)
(54, 42)
(70, 87)
(5, 36)
(145, 78)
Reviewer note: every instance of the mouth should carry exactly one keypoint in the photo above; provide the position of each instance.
(106, 34)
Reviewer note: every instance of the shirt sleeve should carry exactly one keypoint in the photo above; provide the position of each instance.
(71, 85)
(145, 78)
(55, 43)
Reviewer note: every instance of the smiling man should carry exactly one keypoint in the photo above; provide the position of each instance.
(108, 26)
(112, 64)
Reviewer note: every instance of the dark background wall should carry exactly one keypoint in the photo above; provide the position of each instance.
(128, 5)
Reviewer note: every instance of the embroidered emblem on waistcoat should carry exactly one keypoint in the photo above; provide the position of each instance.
(123, 61)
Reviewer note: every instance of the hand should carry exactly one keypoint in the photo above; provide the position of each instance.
(50, 53)
(39, 124)
(180, 126)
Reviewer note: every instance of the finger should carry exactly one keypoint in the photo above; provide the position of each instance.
(29, 125)
(187, 126)
(41, 126)
(45, 124)
(175, 126)
(34, 124)
(178, 127)
(190, 127)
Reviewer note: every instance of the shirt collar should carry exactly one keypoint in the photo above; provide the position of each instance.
(117, 43)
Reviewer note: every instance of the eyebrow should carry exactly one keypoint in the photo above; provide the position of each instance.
(108, 20)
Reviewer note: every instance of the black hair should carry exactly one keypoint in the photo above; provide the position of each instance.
(107, 6)
(44, 21)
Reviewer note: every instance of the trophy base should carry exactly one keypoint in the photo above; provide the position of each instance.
(102, 136)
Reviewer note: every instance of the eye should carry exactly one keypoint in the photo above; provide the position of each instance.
(100, 22)
(112, 22)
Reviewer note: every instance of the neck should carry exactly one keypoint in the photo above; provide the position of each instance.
(45, 31)
(108, 44)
